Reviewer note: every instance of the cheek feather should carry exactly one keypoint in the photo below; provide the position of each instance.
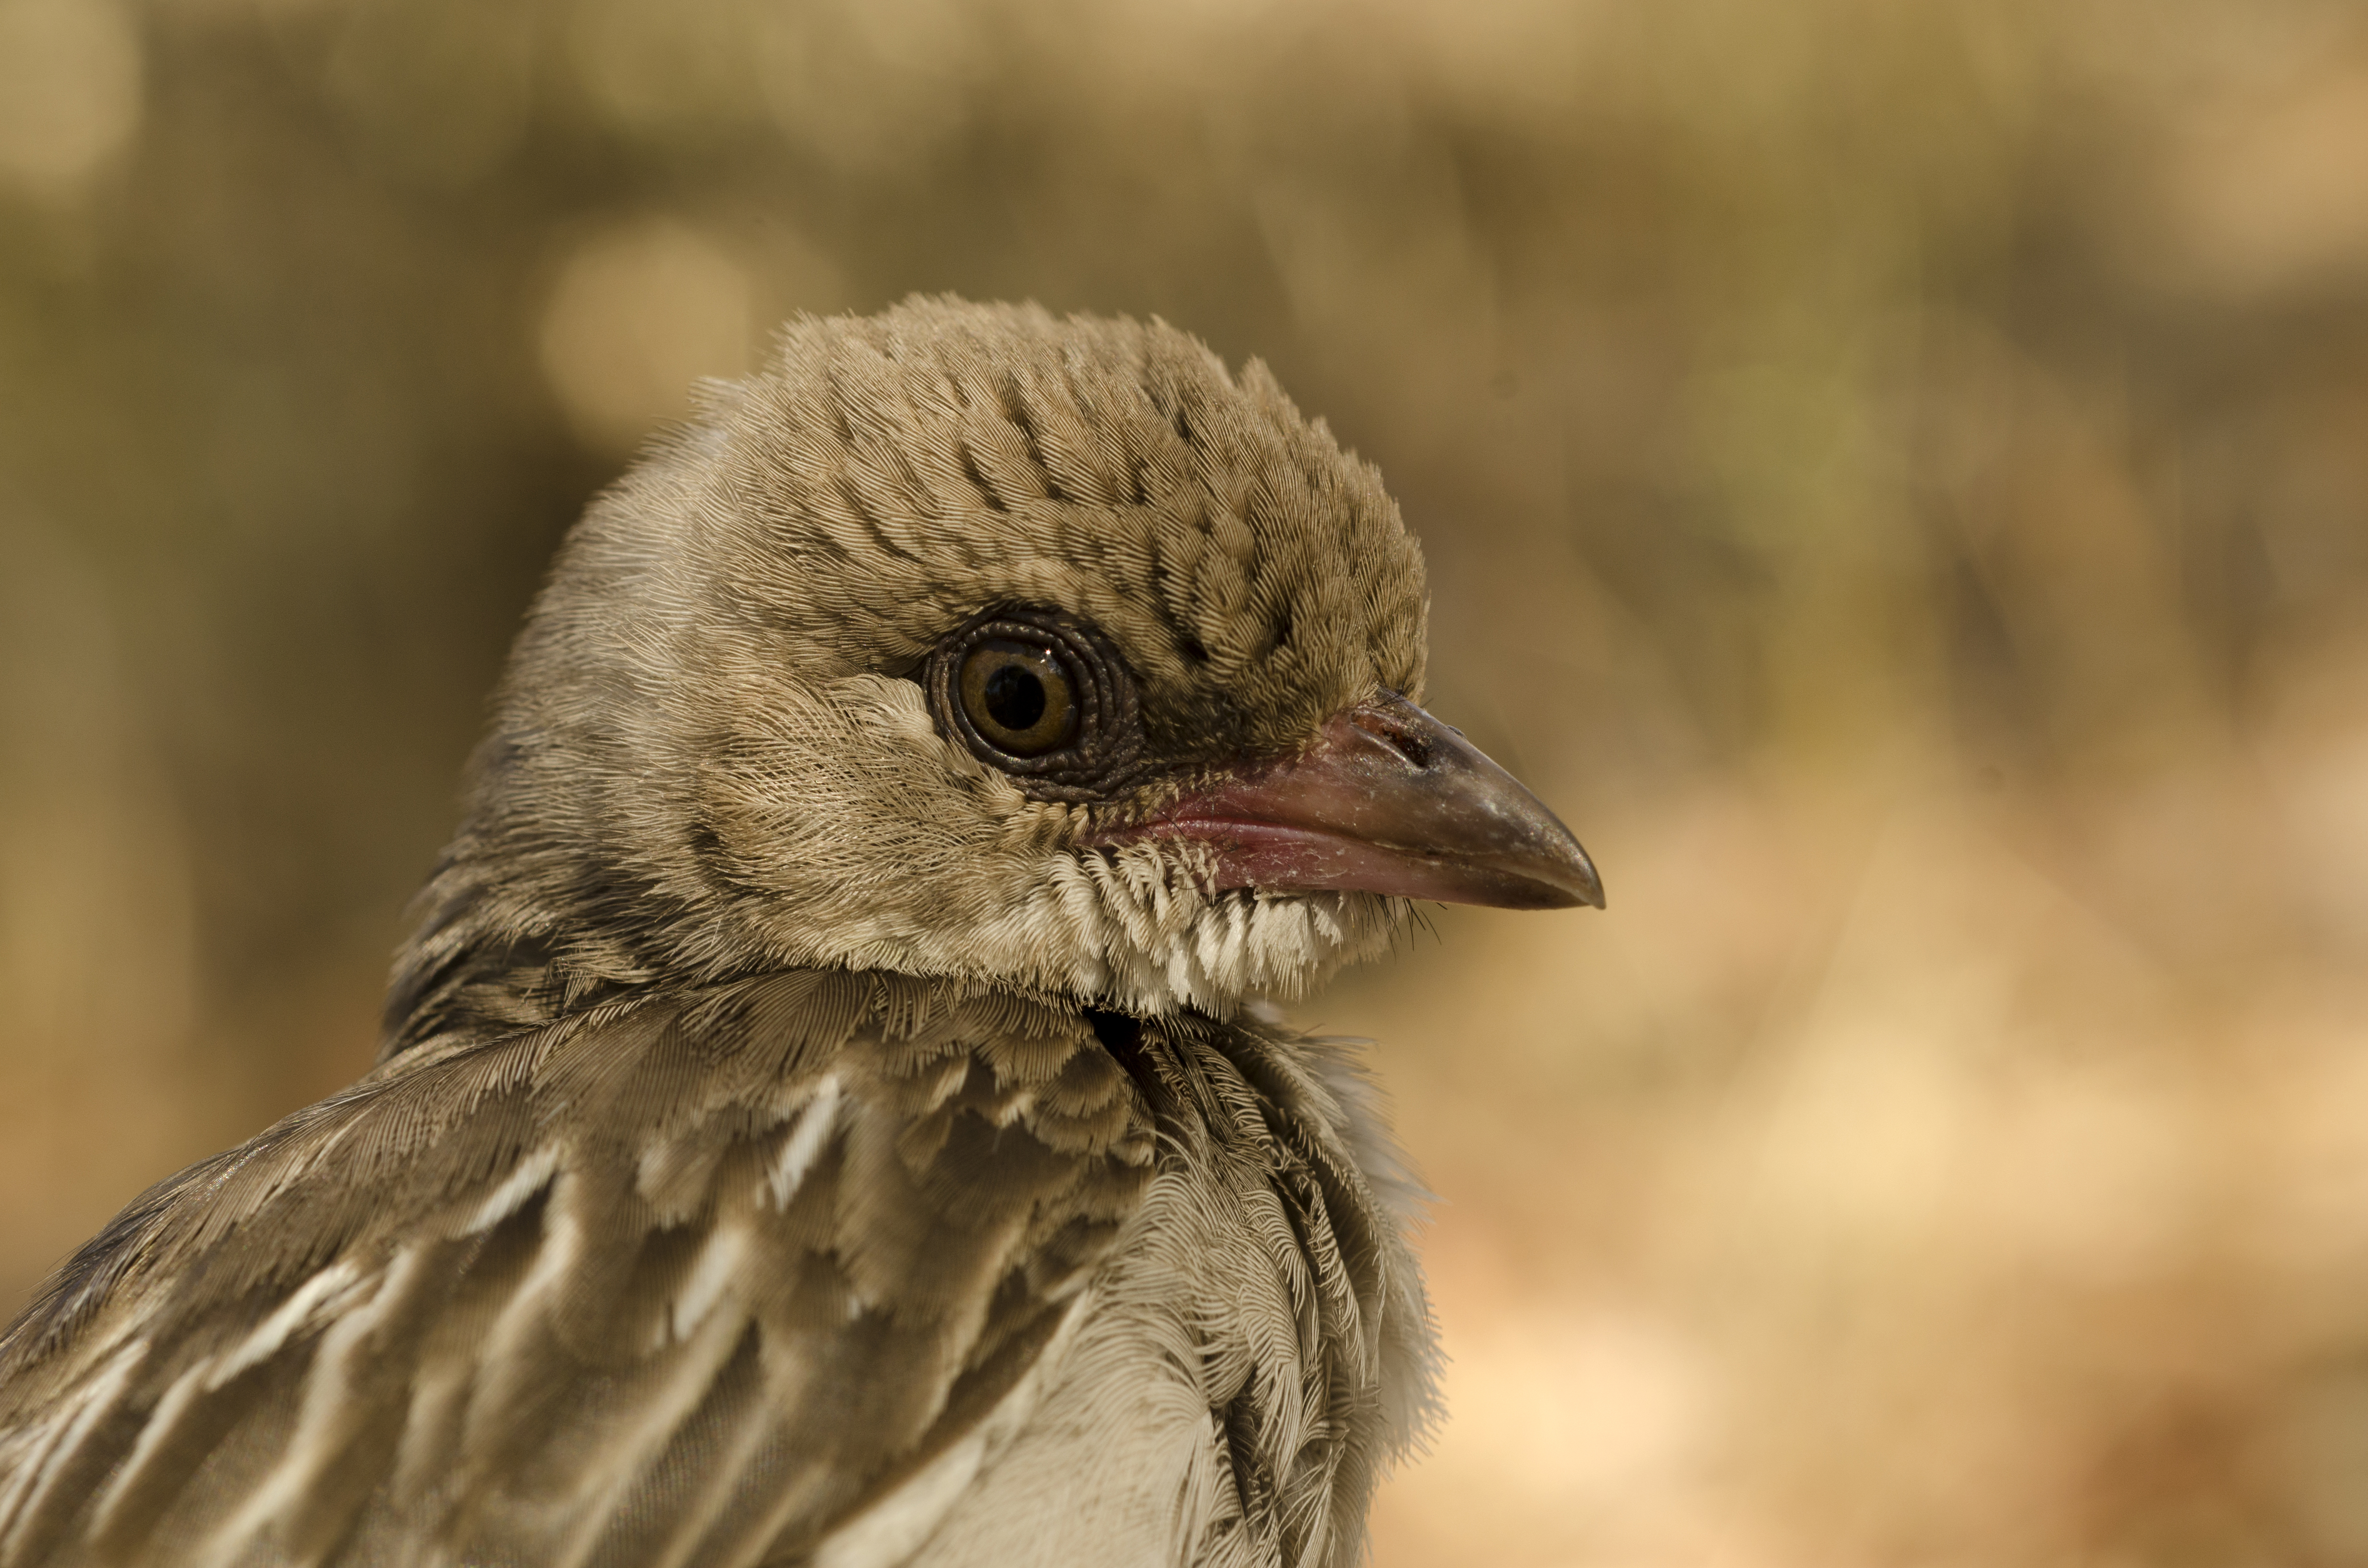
(1167, 942)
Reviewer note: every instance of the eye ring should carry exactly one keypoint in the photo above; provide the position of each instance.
(1040, 696)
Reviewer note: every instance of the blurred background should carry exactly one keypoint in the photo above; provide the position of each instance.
(1895, 478)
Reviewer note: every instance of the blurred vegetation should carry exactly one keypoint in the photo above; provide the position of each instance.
(1896, 476)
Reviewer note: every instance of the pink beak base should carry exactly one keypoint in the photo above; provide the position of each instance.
(1388, 800)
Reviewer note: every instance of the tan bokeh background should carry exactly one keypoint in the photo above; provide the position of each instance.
(1896, 475)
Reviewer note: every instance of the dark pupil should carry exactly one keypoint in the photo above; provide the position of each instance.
(1015, 698)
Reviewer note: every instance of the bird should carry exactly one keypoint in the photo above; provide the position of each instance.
(835, 1106)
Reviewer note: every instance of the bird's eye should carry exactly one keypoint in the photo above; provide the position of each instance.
(1040, 695)
(1020, 698)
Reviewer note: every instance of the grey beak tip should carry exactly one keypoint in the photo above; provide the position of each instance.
(1594, 881)
(1590, 892)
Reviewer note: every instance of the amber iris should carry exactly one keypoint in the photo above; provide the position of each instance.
(1020, 698)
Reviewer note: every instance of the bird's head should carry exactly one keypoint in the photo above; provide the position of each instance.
(963, 641)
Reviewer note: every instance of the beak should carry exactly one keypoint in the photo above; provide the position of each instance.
(1388, 800)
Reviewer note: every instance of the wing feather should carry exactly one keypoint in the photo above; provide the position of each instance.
(696, 1280)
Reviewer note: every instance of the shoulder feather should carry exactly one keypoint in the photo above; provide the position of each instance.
(695, 1280)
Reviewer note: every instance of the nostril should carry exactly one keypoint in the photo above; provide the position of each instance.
(1395, 733)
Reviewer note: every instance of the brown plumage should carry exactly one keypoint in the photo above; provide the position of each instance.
(823, 1117)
